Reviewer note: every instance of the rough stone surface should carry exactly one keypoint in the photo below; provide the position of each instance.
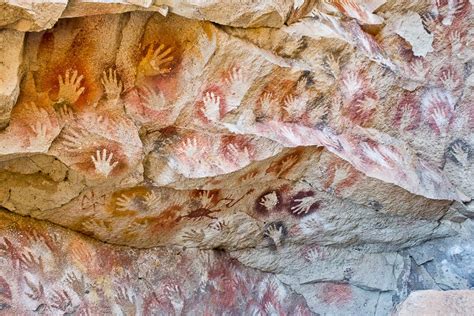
(318, 155)
(436, 303)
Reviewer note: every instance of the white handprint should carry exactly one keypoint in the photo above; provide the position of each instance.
(304, 205)
(103, 164)
(154, 100)
(441, 120)
(267, 104)
(352, 84)
(448, 79)
(269, 201)
(406, 118)
(212, 107)
(275, 233)
(295, 106)
(151, 201)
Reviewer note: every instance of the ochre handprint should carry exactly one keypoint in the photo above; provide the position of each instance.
(156, 61)
(70, 88)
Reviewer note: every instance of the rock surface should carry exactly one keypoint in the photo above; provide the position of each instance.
(325, 148)
(435, 303)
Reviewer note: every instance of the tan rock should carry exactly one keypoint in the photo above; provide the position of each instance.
(437, 303)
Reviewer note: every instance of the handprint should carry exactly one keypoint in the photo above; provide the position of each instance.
(126, 203)
(156, 61)
(78, 285)
(241, 156)
(153, 99)
(151, 201)
(406, 118)
(103, 164)
(304, 205)
(193, 236)
(449, 80)
(206, 198)
(75, 139)
(275, 232)
(456, 41)
(312, 255)
(267, 104)
(211, 106)
(450, 10)
(418, 69)
(65, 114)
(290, 135)
(269, 201)
(352, 84)
(173, 292)
(295, 106)
(341, 172)
(460, 154)
(70, 88)
(440, 118)
(374, 155)
(126, 302)
(188, 147)
(367, 104)
(332, 65)
(41, 140)
(31, 263)
(62, 301)
(36, 292)
(112, 84)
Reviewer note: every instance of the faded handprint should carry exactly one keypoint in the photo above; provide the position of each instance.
(276, 232)
(32, 263)
(440, 118)
(156, 61)
(126, 203)
(374, 155)
(237, 81)
(267, 104)
(103, 164)
(456, 41)
(75, 139)
(295, 106)
(61, 300)
(125, 301)
(189, 147)
(341, 172)
(312, 255)
(112, 84)
(193, 236)
(206, 198)
(65, 115)
(36, 291)
(269, 201)
(212, 105)
(70, 88)
(41, 139)
(367, 104)
(270, 309)
(78, 285)
(242, 157)
(460, 152)
(406, 117)
(418, 69)
(290, 135)
(332, 65)
(174, 294)
(151, 201)
(153, 99)
(449, 79)
(449, 10)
